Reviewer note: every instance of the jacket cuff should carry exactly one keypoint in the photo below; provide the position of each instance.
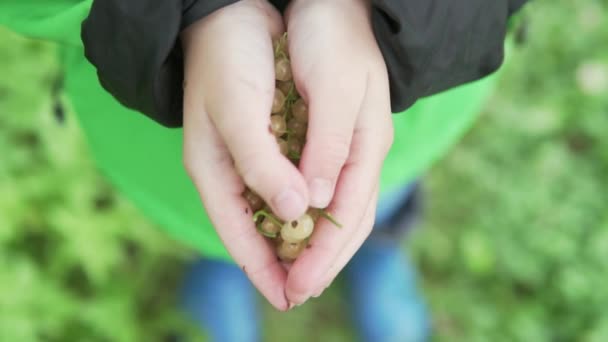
(135, 48)
(432, 46)
(197, 9)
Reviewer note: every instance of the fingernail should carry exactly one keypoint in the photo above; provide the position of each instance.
(320, 192)
(289, 204)
(291, 306)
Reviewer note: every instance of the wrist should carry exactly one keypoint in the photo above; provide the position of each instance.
(353, 11)
(255, 14)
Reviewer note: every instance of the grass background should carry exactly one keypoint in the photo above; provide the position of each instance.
(514, 245)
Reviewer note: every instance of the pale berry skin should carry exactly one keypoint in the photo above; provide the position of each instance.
(287, 251)
(298, 230)
(314, 213)
(285, 87)
(269, 226)
(275, 46)
(278, 125)
(255, 202)
(294, 145)
(283, 146)
(298, 128)
(300, 111)
(278, 102)
(282, 69)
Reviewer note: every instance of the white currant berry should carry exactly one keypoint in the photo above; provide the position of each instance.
(277, 125)
(255, 202)
(285, 87)
(298, 230)
(300, 111)
(283, 146)
(279, 101)
(314, 213)
(290, 251)
(297, 128)
(280, 45)
(282, 69)
(294, 146)
(270, 226)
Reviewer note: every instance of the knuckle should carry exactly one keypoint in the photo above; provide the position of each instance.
(334, 152)
(199, 166)
(250, 168)
(330, 162)
(253, 84)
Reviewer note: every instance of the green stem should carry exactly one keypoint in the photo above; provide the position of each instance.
(278, 51)
(290, 99)
(265, 214)
(294, 155)
(291, 96)
(265, 233)
(269, 216)
(330, 218)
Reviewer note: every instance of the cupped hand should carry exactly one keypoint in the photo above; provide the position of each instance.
(228, 94)
(340, 72)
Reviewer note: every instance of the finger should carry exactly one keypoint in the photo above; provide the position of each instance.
(240, 109)
(333, 115)
(335, 97)
(328, 241)
(355, 189)
(256, 154)
(365, 229)
(210, 167)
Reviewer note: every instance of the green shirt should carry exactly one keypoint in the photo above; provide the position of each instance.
(144, 159)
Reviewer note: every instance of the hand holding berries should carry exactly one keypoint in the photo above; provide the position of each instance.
(288, 123)
(228, 96)
(231, 141)
(340, 73)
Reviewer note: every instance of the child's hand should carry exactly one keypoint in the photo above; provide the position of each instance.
(229, 90)
(340, 71)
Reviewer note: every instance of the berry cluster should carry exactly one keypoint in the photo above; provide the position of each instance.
(288, 124)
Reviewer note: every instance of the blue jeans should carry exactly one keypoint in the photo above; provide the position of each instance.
(390, 203)
(381, 282)
(221, 299)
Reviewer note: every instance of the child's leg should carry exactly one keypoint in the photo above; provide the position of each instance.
(220, 298)
(387, 305)
(381, 281)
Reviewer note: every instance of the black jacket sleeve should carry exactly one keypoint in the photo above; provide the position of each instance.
(429, 46)
(134, 44)
(433, 45)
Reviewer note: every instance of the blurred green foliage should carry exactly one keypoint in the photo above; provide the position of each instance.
(77, 261)
(514, 246)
